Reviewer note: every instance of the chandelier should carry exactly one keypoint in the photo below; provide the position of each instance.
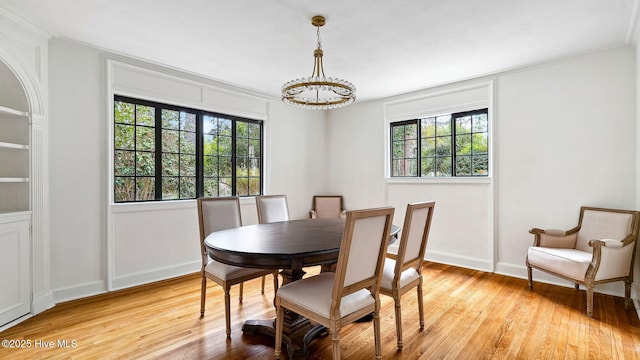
(318, 91)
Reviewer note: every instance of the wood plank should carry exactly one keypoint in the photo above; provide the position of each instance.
(469, 314)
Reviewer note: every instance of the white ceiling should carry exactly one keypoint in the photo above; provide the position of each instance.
(383, 47)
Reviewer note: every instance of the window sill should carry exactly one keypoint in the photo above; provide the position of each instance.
(441, 180)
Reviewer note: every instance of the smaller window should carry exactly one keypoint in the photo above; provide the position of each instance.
(448, 145)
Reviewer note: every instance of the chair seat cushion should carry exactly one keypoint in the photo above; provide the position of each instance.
(228, 272)
(570, 263)
(406, 277)
(314, 294)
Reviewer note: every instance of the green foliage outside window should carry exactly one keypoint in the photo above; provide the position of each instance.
(227, 163)
(449, 145)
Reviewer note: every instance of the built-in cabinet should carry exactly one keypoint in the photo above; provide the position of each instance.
(15, 213)
(14, 160)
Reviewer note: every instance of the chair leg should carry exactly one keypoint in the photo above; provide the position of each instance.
(240, 292)
(589, 300)
(577, 286)
(530, 275)
(227, 310)
(262, 289)
(627, 294)
(376, 333)
(203, 295)
(396, 300)
(335, 341)
(279, 326)
(420, 304)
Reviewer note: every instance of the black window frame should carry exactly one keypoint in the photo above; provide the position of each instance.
(199, 151)
(452, 136)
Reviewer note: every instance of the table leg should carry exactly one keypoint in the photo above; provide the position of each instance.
(298, 331)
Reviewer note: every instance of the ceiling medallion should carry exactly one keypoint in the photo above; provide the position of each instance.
(318, 91)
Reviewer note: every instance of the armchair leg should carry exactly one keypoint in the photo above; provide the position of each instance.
(577, 286)
(227, 310)
(262, 288)
(396, 300)
(240, 293)
(589, 300)
(530, 275)
(627, 294)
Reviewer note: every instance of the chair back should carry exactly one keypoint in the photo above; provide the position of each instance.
(415, 233)
(327, 207)
(598, 223)
(362, 251)
(272, 208)
(215, 214)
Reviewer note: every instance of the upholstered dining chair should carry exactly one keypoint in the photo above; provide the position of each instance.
(272, 208)
(215, 214)
(402, 271)
(327, 207)
(600, 249)
(334, 299)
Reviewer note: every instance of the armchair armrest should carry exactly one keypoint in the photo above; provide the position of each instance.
(611, 258)
(554, 238)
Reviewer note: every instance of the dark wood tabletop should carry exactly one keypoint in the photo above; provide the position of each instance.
(280, 245)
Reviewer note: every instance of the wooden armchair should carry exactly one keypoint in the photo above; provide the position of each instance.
(600, 249)
(327, 207)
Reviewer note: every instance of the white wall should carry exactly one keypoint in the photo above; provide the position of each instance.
(565, 135)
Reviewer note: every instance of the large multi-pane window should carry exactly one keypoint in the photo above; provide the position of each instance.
(448, 145)
(164, 152)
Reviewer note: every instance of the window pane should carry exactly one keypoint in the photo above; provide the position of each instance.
(187, 165)
(145, 164)
(224, 145)
(224, 166)
(443, 166)
(428, 147)
(242, 168)
(187, 142)
(398, 133)
(411, 132)
(209, 125)
(187, 187)
(210, 166)
(124, 189)
(254, 167)
(480, 143)
(210, 145)
(224, 186)
(242, 186)
(145, 138)
(145, 188)
(254, 148)
(398, 149)
(170, 141)
(254, 186)
(411, 167)
(170, 119)
(463, 144)
(428, 168)
(170, 165)
(480, 123)
(210, 187)
(124, 163)
(145, 115)
(463, 165)
(124, 137)
(443, 145)
(124, 112)
(428, 127)
(480, 165)
(463, 125)
(187, 121)
(170, 188)
(254, 131)
(443, 125)
(224, 127)
(242, 147)
(242, 130)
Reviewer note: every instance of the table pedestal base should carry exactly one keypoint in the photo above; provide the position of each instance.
(296, 343)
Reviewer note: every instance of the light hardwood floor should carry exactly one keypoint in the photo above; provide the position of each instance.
(468, 315)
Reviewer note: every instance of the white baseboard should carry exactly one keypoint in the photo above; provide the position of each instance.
(458, 260)
(79, 291)
(42, 303)
(140, 278)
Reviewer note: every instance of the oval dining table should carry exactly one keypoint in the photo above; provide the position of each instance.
(289, 246)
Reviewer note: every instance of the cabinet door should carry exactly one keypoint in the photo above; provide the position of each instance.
(15, 284)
